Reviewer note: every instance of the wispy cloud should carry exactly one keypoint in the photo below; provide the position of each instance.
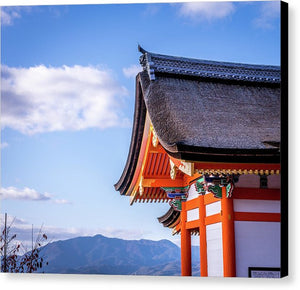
(206, 11)
(132, 71)
(46, 99)
(10, 13)
(269, 12)
(151, 9)
(26, 193)
(23, 230)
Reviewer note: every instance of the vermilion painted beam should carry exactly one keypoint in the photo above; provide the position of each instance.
(143, 157)
(202, 236)
(228, 237)
(192, 224)
(247, 166)
(192, 204)
(209, 198)
(161, 182)
(190, 179)
(212, 219)
(157, 149)
(257, 216)
(186, 255)
(256, 193)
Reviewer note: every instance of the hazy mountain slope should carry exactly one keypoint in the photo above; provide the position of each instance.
(102, 255)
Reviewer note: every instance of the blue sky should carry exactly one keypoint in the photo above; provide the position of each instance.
(68, 86)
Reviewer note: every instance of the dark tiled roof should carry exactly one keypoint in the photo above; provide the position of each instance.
(170, 217)
(205, 116)
(156, 64)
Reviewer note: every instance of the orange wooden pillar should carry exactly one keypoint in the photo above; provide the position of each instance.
(202, 236)
(228, 237)
(186, 255)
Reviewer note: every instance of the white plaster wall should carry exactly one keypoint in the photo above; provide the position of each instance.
(257, 244)
(274, 181)
(195, 241)
(192, 192)
(213, 208)
(192, 214)
(214, 250)
(253, 181)
(248, 180)
(248, 205)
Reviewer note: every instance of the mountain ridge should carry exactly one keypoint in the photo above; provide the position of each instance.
(99, 254)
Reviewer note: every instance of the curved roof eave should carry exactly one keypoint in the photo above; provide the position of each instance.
(136, 139)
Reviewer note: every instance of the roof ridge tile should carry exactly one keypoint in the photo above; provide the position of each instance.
(165, 64)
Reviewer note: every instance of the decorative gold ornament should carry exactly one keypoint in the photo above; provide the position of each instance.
(154, 139)
(141, 190)
(173, 170)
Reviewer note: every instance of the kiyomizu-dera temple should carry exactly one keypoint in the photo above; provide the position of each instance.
(206, 140)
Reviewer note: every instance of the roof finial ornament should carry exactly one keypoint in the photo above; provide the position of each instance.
(141, 49)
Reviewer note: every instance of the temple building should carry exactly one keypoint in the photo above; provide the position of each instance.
(206, 140)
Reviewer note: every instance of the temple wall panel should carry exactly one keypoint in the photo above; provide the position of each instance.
(193, 214)
(253, 181)
(252, 205)
(213, 208)
(274, 181)
(257, 244)
(248, 180)
(214, 250)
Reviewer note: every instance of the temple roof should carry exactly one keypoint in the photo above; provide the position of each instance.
(156, 64)
(205, 111)
(194, 119)
(206, 114)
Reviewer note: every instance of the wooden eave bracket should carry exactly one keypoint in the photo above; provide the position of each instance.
(183, 166)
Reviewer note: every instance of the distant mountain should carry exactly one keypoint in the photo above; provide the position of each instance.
(102, 255)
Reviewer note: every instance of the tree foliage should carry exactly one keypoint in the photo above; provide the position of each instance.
(15, 258)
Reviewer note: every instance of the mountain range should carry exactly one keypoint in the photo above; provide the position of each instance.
(103, 255)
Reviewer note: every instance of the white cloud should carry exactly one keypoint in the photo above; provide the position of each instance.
(269, 11)
(46, 99)
(4, 145)
(26, 193)
(22, 194)
(23, 230)
(10, 13)
(132, 71)
(61, 201)
(200, 11)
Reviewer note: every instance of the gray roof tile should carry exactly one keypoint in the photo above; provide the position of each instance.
(155, 64)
